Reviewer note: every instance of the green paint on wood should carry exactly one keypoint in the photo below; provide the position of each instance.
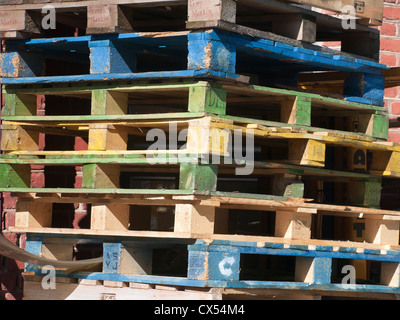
(106, 102)
(365, 194)
(88, 175)
(380, 127)
(15, 176)
(316, 98)
(288, 185)
(209, 99)
(19, 105)
(99, 98)
(100, 176)
(372, 194)
(201, 177)
(303, 110)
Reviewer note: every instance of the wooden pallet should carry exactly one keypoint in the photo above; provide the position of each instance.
(212, 136)
(25, 20)
(189, 172)
(236, 264)
(169, 100)
(227, 55)
(179, 214)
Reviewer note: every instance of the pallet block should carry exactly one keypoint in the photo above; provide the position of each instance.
(112, 216)
(31, 214)
(293, 224)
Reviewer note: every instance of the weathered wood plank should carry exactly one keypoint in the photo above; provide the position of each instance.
(371, 9)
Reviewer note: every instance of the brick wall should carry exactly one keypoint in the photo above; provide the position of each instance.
(390, 54)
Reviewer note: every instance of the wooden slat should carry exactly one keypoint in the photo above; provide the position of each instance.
(372, 9)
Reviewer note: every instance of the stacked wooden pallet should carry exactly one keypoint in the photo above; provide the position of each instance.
(182, 214)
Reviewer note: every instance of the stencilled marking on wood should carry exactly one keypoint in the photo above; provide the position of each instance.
(224, 266)
(12, 20)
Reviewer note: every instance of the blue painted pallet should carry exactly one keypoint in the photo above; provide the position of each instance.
(216, 53)
(217, 263)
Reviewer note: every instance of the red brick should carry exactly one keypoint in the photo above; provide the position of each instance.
(80, 144)
(37, 166)
(388, 29)
(395, 107)
(8, 201)
(392, 45)
(391, 92)
(77, 219)
(78, 182)
(37, 180)
(12, 237)
(42, 141)
(391, 13)
(9, 219)
(41, 105)
(394, 136)
(389, 59)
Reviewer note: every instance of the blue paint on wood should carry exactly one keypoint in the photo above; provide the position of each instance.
(299, 247)
(223, 48)
(285, 51)
(392, 253)
(215, 265)
(302, 251)
(34, 246)
(20, 64)
(223, 266)
(109, 57)
(322, 269)
(210, 54)
(347, 249)
(111, 257)
(324, 248)
(365, 86)
(197, 265)
(274, 245)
